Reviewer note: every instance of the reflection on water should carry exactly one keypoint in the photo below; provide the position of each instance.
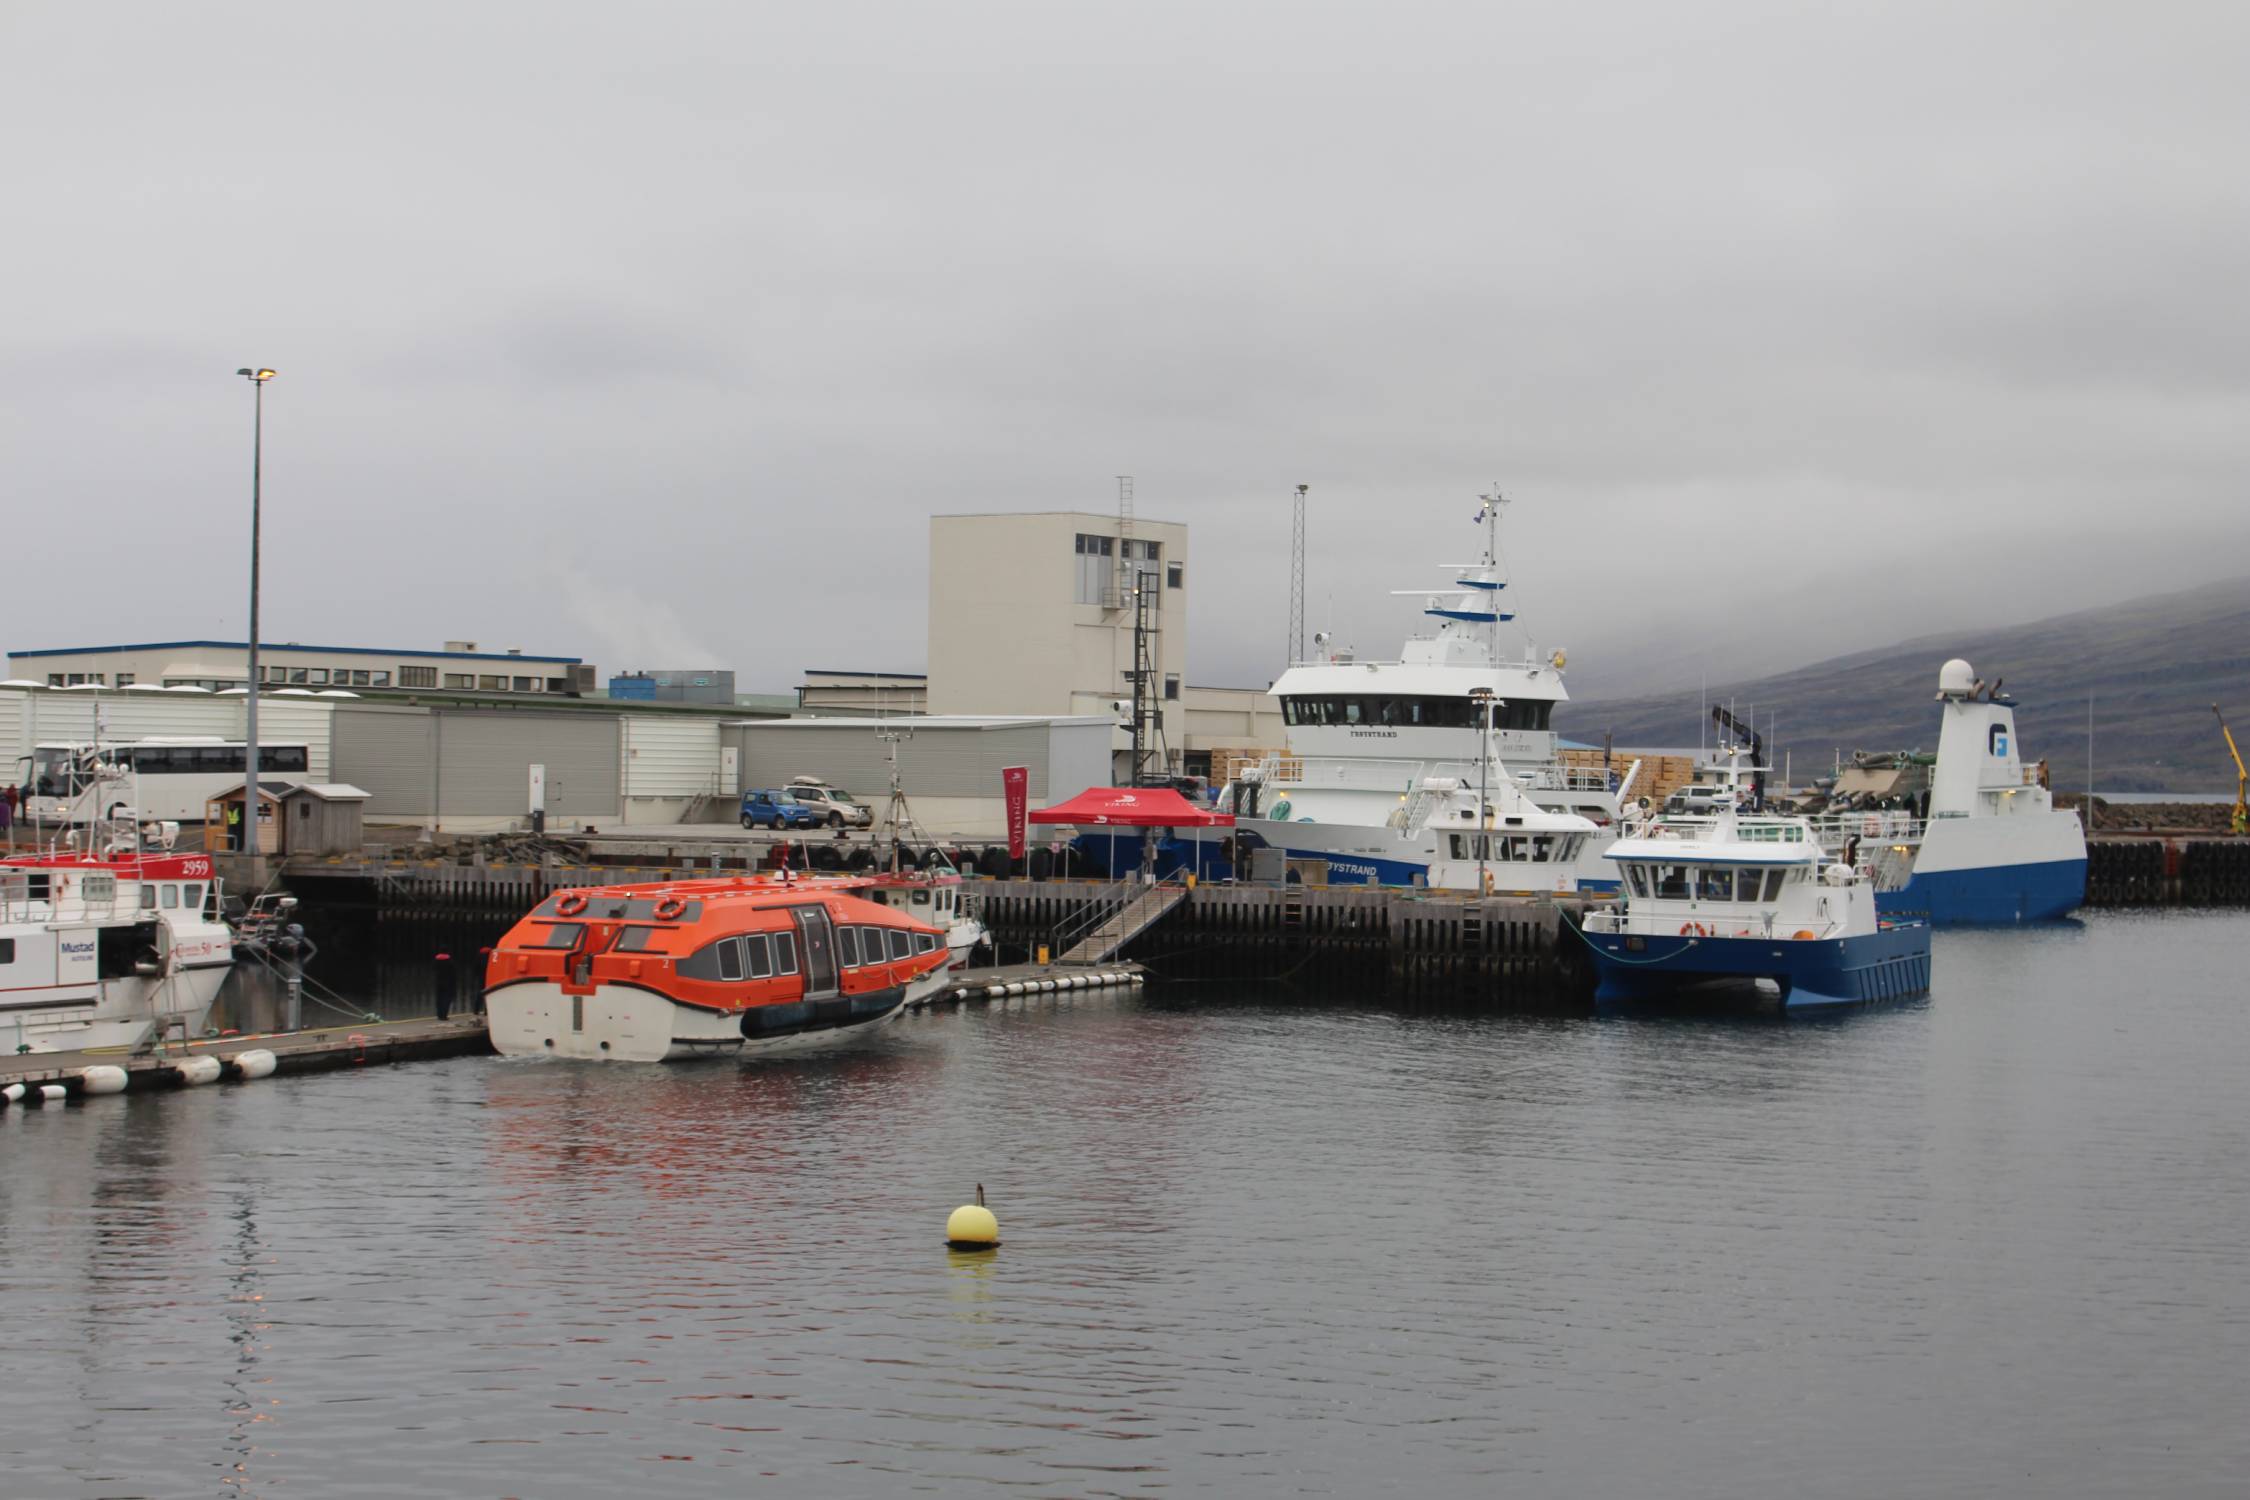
(1984, 1244)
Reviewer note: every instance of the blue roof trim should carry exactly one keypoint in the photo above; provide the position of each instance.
(267, 648)
(1475, 616)
(1478, 583)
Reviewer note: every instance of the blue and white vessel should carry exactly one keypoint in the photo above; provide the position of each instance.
(1386, 759)
(1991, 846)
(1749, 898)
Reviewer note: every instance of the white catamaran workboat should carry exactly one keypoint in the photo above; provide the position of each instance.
(1382, 752)
(110, 949)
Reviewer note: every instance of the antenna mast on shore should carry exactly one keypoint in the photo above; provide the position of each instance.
(1296, 650)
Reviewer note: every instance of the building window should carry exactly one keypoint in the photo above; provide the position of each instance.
(379, 679)
(417, 677)
(54, 679)
(297, 675)
(492, 682)
(1094, 554)
(558, 684)
(1172, 685)
(526, 684)
(320, 676)
(460, 680)
(1172, 575)
(124, 679)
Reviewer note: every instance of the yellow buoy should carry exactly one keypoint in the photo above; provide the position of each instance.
(972, 1226)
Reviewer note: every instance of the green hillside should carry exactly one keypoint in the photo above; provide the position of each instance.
(2154, 667)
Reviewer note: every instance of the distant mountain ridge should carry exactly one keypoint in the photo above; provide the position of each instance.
(2154, 666)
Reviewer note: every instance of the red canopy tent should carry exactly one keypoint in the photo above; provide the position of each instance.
(1132, 807)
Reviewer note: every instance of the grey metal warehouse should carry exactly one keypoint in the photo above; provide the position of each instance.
(949, 764)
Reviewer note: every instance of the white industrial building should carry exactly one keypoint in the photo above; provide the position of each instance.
(949, 765)
(217, 665)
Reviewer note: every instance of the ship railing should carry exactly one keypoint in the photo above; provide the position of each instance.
(1836, 829)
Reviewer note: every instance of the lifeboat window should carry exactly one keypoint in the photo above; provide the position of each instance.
(631, 940)
(562, 935)
(902, 944)
(730, 958)
(760, 956)
(925, 942)
(784, 953)
(1672, 882)
(847, 947)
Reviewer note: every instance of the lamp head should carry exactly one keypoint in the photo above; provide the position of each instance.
(261, 376)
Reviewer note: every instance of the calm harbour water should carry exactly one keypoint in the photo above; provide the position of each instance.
(1995, 1243)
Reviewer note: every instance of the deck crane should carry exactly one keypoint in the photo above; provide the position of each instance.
(2241, 821)
(1729, 725)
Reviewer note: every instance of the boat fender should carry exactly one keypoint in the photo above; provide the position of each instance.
(570, 905)
(669, 907)
(1803, 934)
(103, 1078)
(52, 1093)
(12, 1094)
(192, 1071)
(258, 1062)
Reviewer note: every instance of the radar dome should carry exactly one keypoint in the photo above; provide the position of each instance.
(1956, 676)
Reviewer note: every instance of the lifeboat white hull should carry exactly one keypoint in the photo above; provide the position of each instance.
(624, 1023)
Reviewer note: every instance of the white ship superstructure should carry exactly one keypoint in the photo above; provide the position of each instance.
(1368, 739)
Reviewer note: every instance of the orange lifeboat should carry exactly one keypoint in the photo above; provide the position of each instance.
(646, 973)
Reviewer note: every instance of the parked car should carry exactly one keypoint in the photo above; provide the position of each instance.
(771, 808)
(831, 804)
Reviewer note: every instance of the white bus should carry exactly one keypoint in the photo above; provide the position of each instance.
(170, 778)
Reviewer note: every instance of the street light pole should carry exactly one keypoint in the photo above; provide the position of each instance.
(257, 379)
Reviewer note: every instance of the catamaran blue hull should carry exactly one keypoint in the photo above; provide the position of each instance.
(1994, 894)
(1890, 964)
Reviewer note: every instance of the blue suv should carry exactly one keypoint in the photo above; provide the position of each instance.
(773, 809)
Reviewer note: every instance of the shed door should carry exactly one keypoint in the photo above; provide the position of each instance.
(820, 951)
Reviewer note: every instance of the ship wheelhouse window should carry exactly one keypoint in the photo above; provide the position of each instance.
(1716, 883)
(1422, 712)
(1672, 882)
(1636, 879)
(847, 947)
(784, 953)
(191, 897)
(758, 956)
(7, 951)
(1774, 878)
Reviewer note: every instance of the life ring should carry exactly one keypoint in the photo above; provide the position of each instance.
(570, 905)
(1694, 929)
(669, 907)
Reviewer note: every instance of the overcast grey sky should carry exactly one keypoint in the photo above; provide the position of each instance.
(655, 332)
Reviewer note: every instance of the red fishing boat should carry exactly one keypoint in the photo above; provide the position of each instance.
(643, 973)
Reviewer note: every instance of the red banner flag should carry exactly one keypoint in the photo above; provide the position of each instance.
(1015, 785)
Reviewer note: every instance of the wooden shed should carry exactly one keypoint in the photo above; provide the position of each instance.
(294, 817)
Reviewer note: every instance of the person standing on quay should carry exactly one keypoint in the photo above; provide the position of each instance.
(441, 983)
(8, 815)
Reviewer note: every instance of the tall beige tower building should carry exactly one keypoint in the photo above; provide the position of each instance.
(1033, 614)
